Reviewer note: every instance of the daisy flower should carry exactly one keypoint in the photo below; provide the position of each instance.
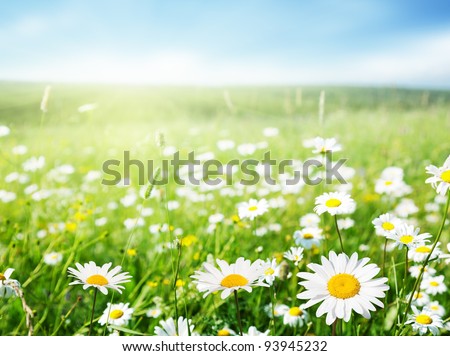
(420, 253)
(434, 285)
(226, 332)
(308, 237)
(6, 289)
(295, 316)
(405, 208)
(168, 327)
(324, 145)
(153, 313)
(407, 235)
(91, 275)
(231, 277)
(53, 258)
(271, 270)
(385, 223)
(253, 208)
(4, 131)
(346, 223)
(415, 271)
(334, 203)
(420, 298)
(440, 177)
(253, 331)
(295, 254)
(436, 308)
(310, 220)
(424, 321)
(116, 314)
(343, 284)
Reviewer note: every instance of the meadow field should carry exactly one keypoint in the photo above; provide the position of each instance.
(55, 211)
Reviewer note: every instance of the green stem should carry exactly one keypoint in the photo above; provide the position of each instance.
(174, 286)
(406, 269)
(425, 263)
(238, 312)
(273, 300)
(93, 311)
(339, 233)
(384, 256)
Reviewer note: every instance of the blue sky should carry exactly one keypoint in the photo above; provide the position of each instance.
(225, 42)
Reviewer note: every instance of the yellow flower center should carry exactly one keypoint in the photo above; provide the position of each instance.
(97, 279)
(434, 307)
(295, 311)
(343, 286)
(333, 203)
(253, 208)
(388, 182)
(434, 283)
(423, 249)
(116, 314)
(223, 332)
(54, 257)
(2, 277)
(269, 271)
(234, 280)
(445, 176)
(387, 225)
(406, 239)
(308, 236)
(423, 319)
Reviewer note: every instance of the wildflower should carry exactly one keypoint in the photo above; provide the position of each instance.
(4, 131)
(385, 223)
(310, 220)
(53, 258)
(440, 179)
(308, 237)
(324, 145)
(419, 298)
(231, 277)
(334, 203)
(226, 332)
(168, 327)
(436, 308)
(271, 271)
(271, 131)
(253, 208)
(295, 254)
(424, 321)
(116, 314)
(415, 271)
(343, 284)
(253, 331)
(153, 313)
(295, 316)
(407, 235)
(6, 283)
(345, 224)
(434, 285)
(91, 275)
(420, 253)
(33, 164)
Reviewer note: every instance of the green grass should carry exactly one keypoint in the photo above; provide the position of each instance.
(377, 128)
